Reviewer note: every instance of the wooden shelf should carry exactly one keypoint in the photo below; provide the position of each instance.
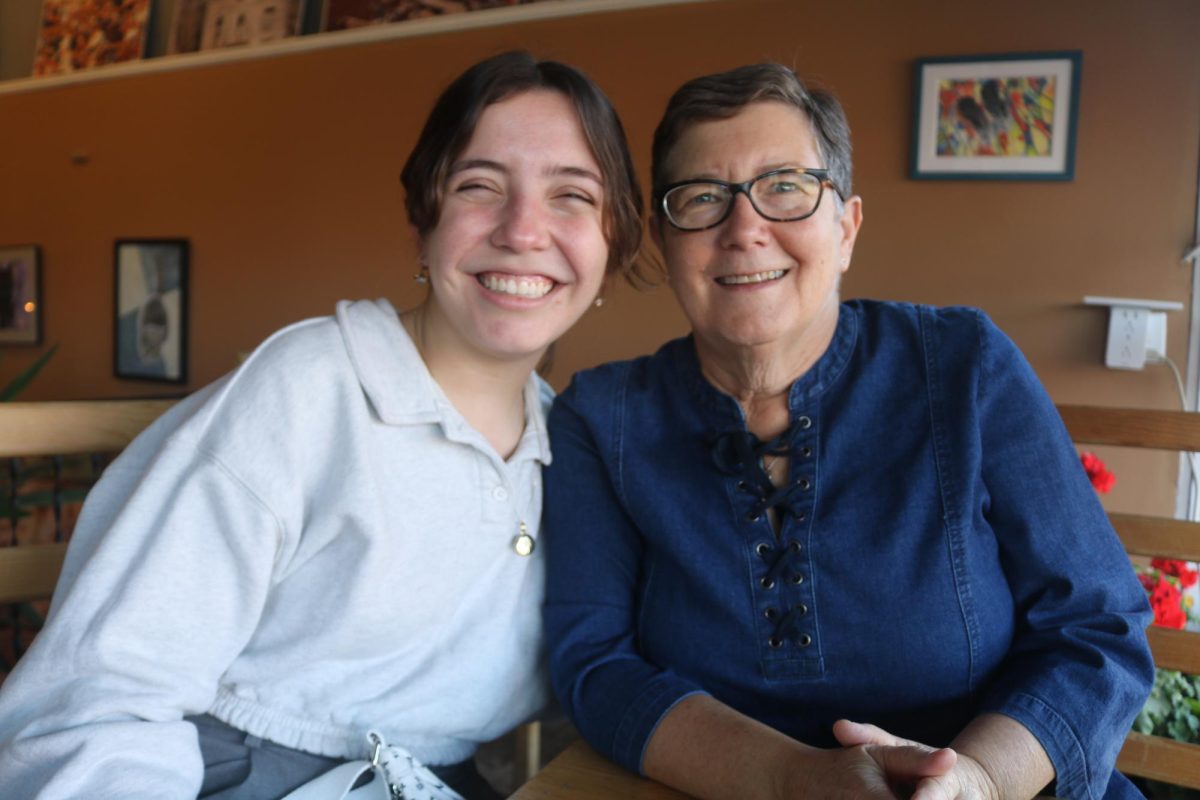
(430, 26)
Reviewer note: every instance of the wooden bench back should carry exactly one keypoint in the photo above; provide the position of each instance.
(1152, 757)
(29, 572)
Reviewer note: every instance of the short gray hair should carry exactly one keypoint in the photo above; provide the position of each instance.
(723, 95)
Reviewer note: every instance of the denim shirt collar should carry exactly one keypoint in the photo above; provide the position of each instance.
(807, 388)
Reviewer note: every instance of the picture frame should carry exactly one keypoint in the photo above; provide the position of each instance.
(150, 309)
(81, 34)
(339, 15)
(215, 24)
(1011, 116)
(21, 295)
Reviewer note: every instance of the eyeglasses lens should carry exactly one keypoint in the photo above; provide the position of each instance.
(784, 195)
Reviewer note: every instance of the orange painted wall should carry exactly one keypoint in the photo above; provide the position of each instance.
(283, 174)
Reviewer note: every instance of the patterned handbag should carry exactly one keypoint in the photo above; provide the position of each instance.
(395, 775)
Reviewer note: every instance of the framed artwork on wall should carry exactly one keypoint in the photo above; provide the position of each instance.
(996, 117)
(341, 14)
(20, 295)
(213, 24)
(151, 310)
(81, 34)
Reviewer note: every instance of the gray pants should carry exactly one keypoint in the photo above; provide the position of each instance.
(238, 766)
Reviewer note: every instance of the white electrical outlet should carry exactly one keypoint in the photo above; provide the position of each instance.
(1126, 338)
(1137, 330)
(1156, 337)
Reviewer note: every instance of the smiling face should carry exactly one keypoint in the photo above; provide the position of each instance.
(518, 252)
(750, 282)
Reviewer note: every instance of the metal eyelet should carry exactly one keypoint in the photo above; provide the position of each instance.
(801, 516)
(763, 549)
(804, 484)
(806, 452)
(804, 422)
(805, 640)
(742, 486)
(774, 642)
(797, 579)
(767, 583)
(795, 546)
(770, 613)
(753, 516)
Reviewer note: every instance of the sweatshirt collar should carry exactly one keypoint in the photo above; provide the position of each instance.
(400, 389)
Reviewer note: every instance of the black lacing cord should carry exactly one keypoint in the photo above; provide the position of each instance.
(739, 451)
(781, 563)
(789, 624)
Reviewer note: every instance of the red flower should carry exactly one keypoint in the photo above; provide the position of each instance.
(1167, 603)
(1102, 480)
(1168, 575)
(1176, 569)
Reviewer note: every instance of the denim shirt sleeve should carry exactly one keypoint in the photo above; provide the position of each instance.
(615, 697)
(1079, 667)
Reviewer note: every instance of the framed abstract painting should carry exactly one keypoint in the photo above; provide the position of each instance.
(341, 14)
(82, 34)
(20, 295)
(150, 310)
(996, 117)
(213, 24)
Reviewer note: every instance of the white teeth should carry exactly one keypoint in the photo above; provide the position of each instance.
(519, 287)
(757, 277)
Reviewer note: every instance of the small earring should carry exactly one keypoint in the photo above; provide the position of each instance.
(422, 277)
(599, 301)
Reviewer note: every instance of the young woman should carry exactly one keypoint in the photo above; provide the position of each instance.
(342, 535)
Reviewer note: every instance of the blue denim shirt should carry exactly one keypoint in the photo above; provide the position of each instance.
(941, 555)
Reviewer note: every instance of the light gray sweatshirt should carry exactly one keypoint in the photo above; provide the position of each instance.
(316, 545)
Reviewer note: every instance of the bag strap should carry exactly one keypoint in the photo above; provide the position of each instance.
(339, 781)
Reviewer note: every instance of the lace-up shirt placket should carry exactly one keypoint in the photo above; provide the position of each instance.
(779, 575)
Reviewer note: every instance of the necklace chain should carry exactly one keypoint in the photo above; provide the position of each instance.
(769, 465)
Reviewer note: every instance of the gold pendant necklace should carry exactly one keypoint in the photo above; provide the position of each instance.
(523, 543)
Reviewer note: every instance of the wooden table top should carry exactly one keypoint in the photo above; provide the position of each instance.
(580, 773)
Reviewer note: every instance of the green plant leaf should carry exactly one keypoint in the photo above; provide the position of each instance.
(1172, 709)
(18, 384)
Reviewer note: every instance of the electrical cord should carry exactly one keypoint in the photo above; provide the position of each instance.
(1191, 456)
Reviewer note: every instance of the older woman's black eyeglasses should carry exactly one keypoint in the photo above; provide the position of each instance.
(781, 195)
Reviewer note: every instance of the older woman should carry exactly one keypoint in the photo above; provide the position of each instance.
(809, 512)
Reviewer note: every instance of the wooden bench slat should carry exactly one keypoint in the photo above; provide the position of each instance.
(29, 572)
(1129, 427)
(65, 428)
(1174, 649)
(1161, 759)
(1154, 757)
(1158, 536)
